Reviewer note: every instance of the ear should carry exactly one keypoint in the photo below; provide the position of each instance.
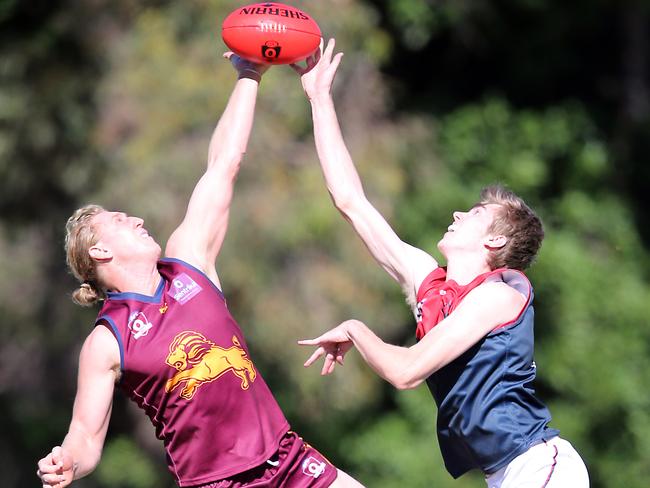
(100, 253)
(496, 242)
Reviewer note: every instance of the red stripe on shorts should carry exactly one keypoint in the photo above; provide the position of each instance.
(548, 478)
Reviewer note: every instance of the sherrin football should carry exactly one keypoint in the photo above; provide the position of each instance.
(272, 33)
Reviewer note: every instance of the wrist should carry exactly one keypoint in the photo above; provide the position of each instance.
(251, 74)
(352, 328)
(324, 99)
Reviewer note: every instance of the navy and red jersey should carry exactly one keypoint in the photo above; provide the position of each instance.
(185, 362)
(488, 413)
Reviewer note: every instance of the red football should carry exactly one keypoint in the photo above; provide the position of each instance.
(271, 33)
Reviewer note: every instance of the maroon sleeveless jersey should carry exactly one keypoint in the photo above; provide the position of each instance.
(184, 361)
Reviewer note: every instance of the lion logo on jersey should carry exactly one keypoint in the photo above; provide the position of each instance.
(199, 360)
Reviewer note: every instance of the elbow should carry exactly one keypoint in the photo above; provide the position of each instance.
(406, 383)
(226, 165)
(229, 161)
(405, 380)
(346, 201)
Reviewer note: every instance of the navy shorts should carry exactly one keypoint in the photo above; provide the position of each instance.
(295, 465)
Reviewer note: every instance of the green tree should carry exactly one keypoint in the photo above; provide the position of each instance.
(114, 102)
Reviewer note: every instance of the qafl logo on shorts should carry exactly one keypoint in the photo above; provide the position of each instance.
(271, 50)
(313, 467)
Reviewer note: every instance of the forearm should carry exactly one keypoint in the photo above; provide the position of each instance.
(230, 137)
(84, 449)
(341, 176)
(390, 362)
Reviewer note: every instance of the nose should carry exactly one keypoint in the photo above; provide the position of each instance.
(457, 216)
(137, 221)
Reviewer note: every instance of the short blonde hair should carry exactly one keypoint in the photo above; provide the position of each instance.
(518, 223)
(80, 237)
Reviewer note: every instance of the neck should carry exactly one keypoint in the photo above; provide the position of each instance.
(464, 269)
(142, 278)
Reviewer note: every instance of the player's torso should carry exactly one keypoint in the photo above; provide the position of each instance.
(476, 392)
(186, 364)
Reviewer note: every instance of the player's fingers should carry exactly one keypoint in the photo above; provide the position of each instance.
(335, 63)
(317, 55)
(51, 479)
(329, 49)
(327, 365)
(47, 471)
(317, 354)
(316, 341)
(308, 342)
(331, 365)
(46, 465)
(57, 456)
(297, 68)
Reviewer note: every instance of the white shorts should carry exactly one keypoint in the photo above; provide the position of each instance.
(550, 464)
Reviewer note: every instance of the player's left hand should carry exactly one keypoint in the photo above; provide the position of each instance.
(317, 76)
(333, 344)
(246, 68)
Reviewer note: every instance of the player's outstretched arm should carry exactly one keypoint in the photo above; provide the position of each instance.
(199, 238)
(484, 309)
(406, 264)
(81, 450)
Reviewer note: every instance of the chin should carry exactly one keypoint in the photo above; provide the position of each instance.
(158, 251)
(152, 250)
(442, 247)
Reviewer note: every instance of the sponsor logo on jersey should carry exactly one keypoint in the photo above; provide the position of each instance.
(183, 289)
(139, 325)
(199, 360)
(313, 467)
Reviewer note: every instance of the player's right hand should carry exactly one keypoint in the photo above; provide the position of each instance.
(56, 470)
(333, 345)
(317, 76)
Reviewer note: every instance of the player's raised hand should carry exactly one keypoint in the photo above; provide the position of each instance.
(333, 344)
(56, 470)
(246, 68)
(317, 75)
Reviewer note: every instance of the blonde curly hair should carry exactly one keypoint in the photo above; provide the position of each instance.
(80, 237)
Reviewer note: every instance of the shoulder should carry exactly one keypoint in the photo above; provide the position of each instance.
(431, 281)
(169, 266)
(515, 279)
(500, 292)
(100, 350)
(495, 302)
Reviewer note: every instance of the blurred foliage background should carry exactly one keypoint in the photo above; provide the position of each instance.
(114, 101)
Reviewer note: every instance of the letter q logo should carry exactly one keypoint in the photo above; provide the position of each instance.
(313, 467)
(271, 50)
